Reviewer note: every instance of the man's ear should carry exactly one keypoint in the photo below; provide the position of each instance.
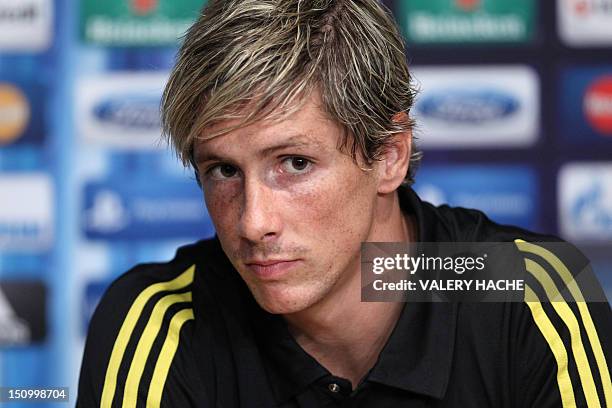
(395, 160)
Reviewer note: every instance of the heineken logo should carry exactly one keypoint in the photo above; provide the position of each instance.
(469, 21)
(136, 22)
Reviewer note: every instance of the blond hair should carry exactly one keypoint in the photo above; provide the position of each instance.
(270, 54)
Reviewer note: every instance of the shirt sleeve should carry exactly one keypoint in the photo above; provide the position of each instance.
(565, 335)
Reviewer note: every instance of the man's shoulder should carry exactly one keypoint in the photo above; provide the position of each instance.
(135, 295)
(559, 335)
(544, 258)
(143, 320)
(149, 278)
(472, 225)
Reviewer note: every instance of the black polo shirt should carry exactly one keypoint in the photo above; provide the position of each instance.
(188, 333)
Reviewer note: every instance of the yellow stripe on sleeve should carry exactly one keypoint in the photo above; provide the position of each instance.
(568, 317)
(130, 395)
(121, 342)
(162, 367)
(556, 346)
(587, 320)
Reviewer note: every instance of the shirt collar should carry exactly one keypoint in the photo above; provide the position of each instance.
(290, 369)
(417, 357)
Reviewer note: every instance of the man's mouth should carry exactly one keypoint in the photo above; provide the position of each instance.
(271, 268)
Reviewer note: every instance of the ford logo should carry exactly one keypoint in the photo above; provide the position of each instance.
(131, 112)
(466, 106)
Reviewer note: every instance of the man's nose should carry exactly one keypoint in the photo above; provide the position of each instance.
(259, 220)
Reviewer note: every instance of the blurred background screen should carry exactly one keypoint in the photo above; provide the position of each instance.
(514, 116)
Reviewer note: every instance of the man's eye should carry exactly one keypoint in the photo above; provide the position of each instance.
(223, 171)
(296, 165)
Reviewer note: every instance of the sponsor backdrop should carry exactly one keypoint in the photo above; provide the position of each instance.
(514, 117)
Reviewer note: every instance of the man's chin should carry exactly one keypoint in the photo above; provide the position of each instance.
(283, 302)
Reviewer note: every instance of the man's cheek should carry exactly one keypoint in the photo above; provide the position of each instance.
(222, 212)
(314, 205)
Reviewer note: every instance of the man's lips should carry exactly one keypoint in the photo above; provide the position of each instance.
(271, 268)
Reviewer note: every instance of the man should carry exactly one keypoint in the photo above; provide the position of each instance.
(295, 116)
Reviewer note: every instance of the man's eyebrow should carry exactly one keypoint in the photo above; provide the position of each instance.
(293, 141)
(299, 140)
(205, 157)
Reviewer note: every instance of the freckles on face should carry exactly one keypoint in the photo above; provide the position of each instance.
(265, 206)
(219, 202)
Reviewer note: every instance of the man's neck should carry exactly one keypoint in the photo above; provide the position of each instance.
(342, 333)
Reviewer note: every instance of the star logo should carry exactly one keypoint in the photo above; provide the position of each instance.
(468, 5)
(143, 7)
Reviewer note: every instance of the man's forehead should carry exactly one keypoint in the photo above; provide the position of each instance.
(258, 144)
(253, 114)
(308, 125)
